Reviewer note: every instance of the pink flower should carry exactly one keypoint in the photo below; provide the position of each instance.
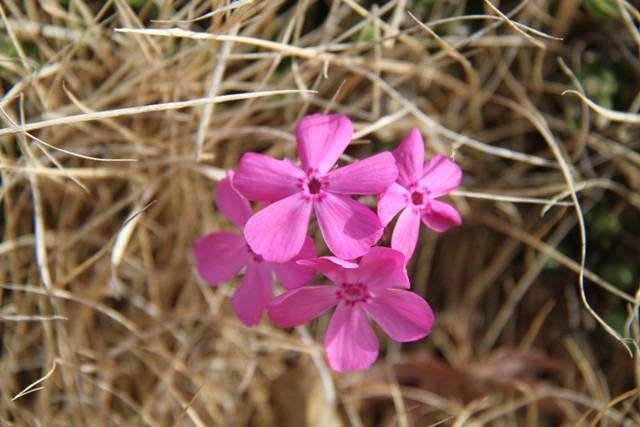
(349, 228)
(416, 191)
(220, 256)
(377, 287)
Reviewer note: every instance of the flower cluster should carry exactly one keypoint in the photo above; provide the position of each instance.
(367, 280)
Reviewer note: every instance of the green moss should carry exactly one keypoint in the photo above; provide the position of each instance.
(550, 264)
(603, 223)
(284, 68)
(366, 34)
(423, 5)
(150, 9)
(137, 5)
(602, 11)
(616, 318)
(600, 83)
(619, 271)
(30, 49)
(615, 262)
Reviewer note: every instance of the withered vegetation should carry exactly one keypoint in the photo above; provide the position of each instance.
(119, 116)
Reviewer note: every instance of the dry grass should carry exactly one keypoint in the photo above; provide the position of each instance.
(119, 116)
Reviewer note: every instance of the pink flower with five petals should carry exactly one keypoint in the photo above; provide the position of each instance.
(221, 255)
(348, 227)
(377, 287)
(416, 192)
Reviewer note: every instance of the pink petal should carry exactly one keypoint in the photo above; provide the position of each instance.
(278, 231)
(219, 256)
(266, 179)
(349, 228)
(402, 314)
(350, 343)
(409, 157)
(231, 203)
(322, 139)
(383, 268)
(253, 294)
(440, 216)
(291, 274)
(372, 175)
(330, 262)
(336, 269)
(440, 176)
(405, 235)
(302, 305)
(391, 202)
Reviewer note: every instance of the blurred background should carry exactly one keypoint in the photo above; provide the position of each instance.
(108, 164)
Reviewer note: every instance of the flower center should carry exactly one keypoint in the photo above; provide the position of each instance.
(352, 293)
(417, 198)
(314, 185)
